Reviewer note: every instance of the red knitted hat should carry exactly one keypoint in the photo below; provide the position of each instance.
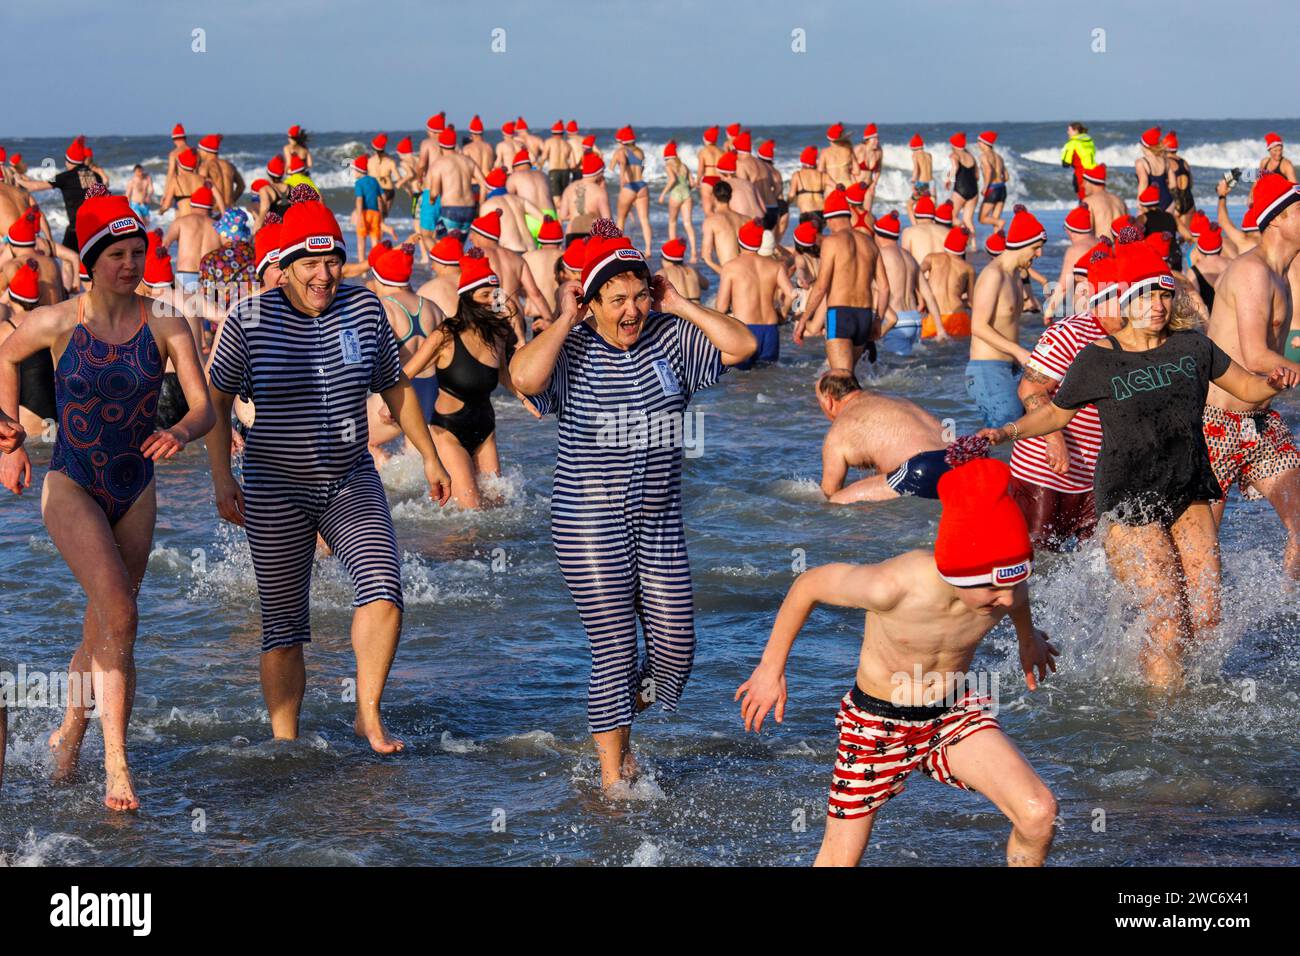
(674, 250)
(750, 235)
(550, 233)
(1200, 222)
(520, 124)
(1273, 193)
(275, 167)
(210, 143)
(158, 266)
(395, 265)
(670, 149)
(297, 165)
(1210, 242)
(22, 234)
(808, 158)
(1024, 230)
(557, 128)
(76, 151)
(589, 141)
(924, 208)
(1079, 219)
(943, 213)
(25, 286)
(404, 146)
(266, 244)
(521, 159)
(592, 165)
(294, 131)
(202, 198)
(178, 131)
(187, 160)
(379, 143)
(727, 162)
(733, 130)
(767, 150)
(869, 131)
(856, 194)
(1151, 138)
(447, 138)
(917, 142)
(805, 234)
(447, 251)
(1271, 140)
(609, 253)
(1096, 174)
(995, 244)
(626, 136)
(888, 226)
(475, 124)
(361, 163)
(955, 241)
(835, 132)
(1249, 222)
(575, 256)
(475, 270)
(497, 177)
(571, 126)
(102, 220)
(309, 228)
(1083, 265)
(743, 143)
(711, 135)
(958, 140)
(1135, 266)
(983, 540)
(508, 128)
(836, 204)
(988, 137)
(1171, 141)
(488, 225)
(1149, 197)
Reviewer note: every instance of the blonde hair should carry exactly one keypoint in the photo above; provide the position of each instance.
(1183, 314)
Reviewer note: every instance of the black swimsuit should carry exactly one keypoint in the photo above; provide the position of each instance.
(473, 382)
(965, 183)
(36, 382)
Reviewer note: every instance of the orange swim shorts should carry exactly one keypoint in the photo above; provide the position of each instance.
(954, 323)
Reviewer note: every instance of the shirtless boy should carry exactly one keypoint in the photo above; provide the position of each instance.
(749, 290)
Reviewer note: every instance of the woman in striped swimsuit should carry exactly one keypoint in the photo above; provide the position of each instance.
(109, 350)
(306, 353)
(614, 368)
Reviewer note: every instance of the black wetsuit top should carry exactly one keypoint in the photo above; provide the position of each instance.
(73, 183)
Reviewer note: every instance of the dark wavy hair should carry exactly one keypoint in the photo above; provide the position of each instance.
(489, 326)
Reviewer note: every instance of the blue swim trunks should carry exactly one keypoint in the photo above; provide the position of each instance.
(141, 210)
(919, 475)
(991, 384)
(902, 338)
(429, 211)
(455, 219)
(769, 346)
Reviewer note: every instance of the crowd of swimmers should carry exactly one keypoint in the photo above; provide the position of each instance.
(255, 327)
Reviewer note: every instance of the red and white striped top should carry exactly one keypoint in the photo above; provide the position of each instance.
(1052, 356)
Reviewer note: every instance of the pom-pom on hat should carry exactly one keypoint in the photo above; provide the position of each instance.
(394, 266)
(1118, 223)
(943, 213)
(1024, 230)
(550, 232)
(674, 250)
(1096, 174)
(955, 241)
(309, 228)
(750, 235)
(924, 208)
(888, 226)
(102, 220)
(488, 225)
(805, 234)
(447, 251)
(266, 244)
(25, 286)
(22, 234)
(836, 204)
(1151, 138)
(983, 540)
(808, 158)
(1273, 193)
(1209, 242)
(1079, 219)
(916, 142)
(609, 253)
(475, 271)
(995, 244)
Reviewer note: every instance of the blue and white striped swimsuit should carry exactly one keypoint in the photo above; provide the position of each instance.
(616, 506)
(306, 464)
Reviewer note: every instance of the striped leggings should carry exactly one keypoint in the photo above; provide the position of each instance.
(621, 566)
(282, 517)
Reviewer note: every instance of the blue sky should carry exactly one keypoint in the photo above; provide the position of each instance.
(344, 64)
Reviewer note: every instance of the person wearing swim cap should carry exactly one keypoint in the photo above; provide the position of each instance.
(628, 348)
(913, 704)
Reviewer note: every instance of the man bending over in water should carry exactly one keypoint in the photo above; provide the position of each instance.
(927, 611)
(869, 429)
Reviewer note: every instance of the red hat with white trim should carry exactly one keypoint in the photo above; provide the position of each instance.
(294, 131)
(405, 147)
(22, 234)
(988, 137)
(869, 131)
(379, 143)
(589, 141)
(1200, 222)
(83, 275)
(275, 167)
(297, 165)
(711, 135)
(955, 241)
(750, 235)
(102, 220)
(1149, 197)
(508, 128)
(592, 165)
(1079, 219)
(856, 194)
(395, 265)
(1210, 242)
(571, 126)
(203, 197)
(447, 251)
(943, 213)
(521, 124)
(1171, 141)
(995, 243)
(1271, 140)
(178, 131)
(958, 140)
(25, 286)
(187, 160)
(734, 130)
(806, 234)
(496, 178)
(257, 185)
(767, 150)
(361, 163)
(76, 151)
(575, 255)
(924, 208)
(309, 228)
(727, 162)
(557, 128)
(983, 540)
(1083, 265)
(1096, 174)
(889, 226)
(1273, 193)
(522, 159)
(835, 132)
(211, 143)
(625, 136)
(670, 149)
(1135, 267)
(808, 158)
(266, 244)
(916, 141)
(609, 253)
(743, 143)
(475, 124)
(1118, 223)
(1151, 138)
(1249, 223)
(674, 250)
(836, 204)
(488, 225)
(1024, 230)
(550, 233)
(158, 266)
(447, 138)
(475, 271)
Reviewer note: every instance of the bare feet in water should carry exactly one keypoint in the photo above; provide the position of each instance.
(119, 790)
(372, 728)
(65, 748)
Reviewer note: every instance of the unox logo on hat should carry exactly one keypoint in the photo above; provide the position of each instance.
(628, 254)
(119, 226)
(1166, 282)
(319, 243)
(1011, 575)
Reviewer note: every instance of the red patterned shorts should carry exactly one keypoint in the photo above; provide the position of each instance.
(1243, 452)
